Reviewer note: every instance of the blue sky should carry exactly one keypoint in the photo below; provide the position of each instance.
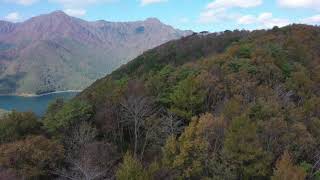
(197, 15)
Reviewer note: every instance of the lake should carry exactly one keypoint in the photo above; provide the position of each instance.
(36, 104)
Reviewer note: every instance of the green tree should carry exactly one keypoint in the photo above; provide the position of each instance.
(72, 112)
(131, 169)
(16, 125)
(311, 170)
(159, 84)
(243, 150)
(187, 98)
(244, 51)
(219, 169)
(54, 107)
(300, 82)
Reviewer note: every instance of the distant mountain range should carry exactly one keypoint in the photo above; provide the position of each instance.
(57, 52)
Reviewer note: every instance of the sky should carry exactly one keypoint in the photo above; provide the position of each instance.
(196, 15)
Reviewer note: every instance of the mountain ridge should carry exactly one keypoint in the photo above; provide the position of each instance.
(245, 86)
(58, 52)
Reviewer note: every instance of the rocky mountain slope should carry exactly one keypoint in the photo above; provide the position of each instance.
(58, 52)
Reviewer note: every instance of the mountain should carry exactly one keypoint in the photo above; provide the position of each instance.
(298, 44)
(58, 52)
(229, 105)
(244, 102)
(174, 53)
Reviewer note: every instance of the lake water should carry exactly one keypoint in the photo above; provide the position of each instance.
(37, 104)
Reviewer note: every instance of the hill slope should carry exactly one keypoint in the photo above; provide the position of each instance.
(198, 48)
(58, 52)
(231, 105)
(255, 96)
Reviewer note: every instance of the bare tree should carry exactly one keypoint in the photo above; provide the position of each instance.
(171, 124)
(316, 166)
(135, 110)
(151, 133)
(86, 158)
(156, 129)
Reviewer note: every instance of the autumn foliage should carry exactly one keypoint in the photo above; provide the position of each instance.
(230, 105)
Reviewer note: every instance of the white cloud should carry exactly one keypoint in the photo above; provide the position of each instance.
(218, 10)
(267, 20)
(312, 20)
(264, 20)
(22, 2)
(234, 3)
(247, 19)
(74, 4)
(77, 8)
(216, 15)
(313, 4)
(147, 2)
(13, 17)
(75, 12)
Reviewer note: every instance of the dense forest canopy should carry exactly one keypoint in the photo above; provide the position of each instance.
(231, 105)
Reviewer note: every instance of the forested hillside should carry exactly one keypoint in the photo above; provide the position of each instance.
(231, 105)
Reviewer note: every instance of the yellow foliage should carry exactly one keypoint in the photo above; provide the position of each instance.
(189, 153)
(286, 170)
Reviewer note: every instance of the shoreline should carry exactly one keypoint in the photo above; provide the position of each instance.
(39, 95)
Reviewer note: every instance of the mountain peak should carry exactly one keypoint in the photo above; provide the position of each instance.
(58, 13)
(153, 20)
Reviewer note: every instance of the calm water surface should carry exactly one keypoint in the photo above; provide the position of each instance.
(37, 104)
